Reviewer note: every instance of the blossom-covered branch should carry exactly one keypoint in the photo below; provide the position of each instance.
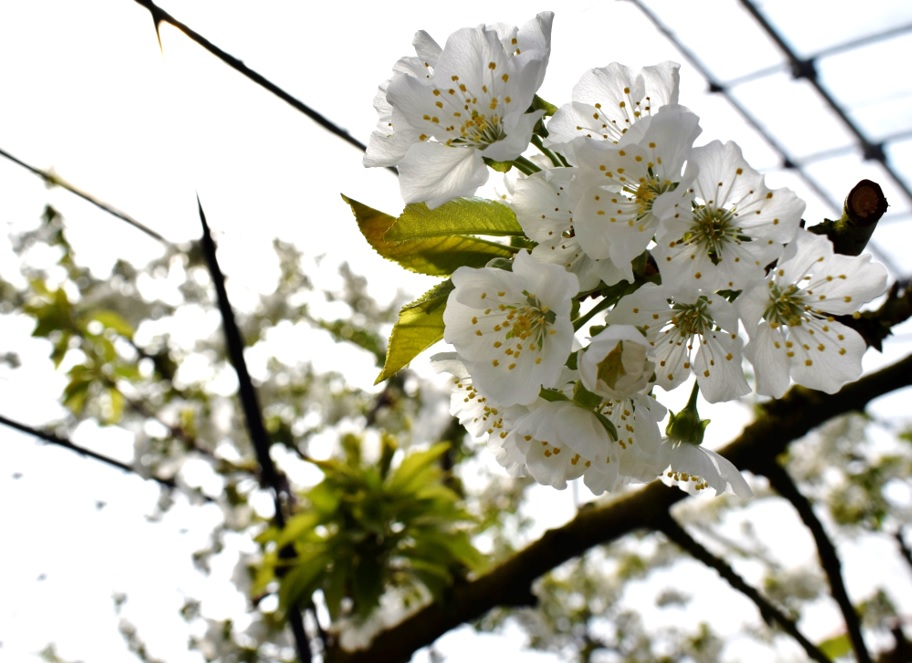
(798, 412)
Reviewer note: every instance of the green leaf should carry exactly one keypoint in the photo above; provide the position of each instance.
(836, 646)
(403, 478)
(420, 325)
(463, 216)
(296, 527)
(435, 254)
(335, 586)
(116, 402)
(303, 579)
(76, 394)
(367, 584)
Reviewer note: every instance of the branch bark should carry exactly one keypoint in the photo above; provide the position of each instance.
(510, 583)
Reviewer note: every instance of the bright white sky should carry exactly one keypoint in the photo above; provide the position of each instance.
(85, 90)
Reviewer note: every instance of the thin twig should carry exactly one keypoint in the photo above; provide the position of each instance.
(55, 180)
(783, 484)
(904, 549)
(770, 613)
(59, 441)
(159, 15)
(252, 413)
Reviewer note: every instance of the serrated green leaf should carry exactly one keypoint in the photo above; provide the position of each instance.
(463, 216)
(420, 325)
(439, 254)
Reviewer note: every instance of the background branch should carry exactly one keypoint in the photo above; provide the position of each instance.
(253, 417)
(59, 441)
(770, 613)
(782, 483)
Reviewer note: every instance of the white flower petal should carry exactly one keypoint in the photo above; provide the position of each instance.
(433, 173)
(512, 329)
(695, 468)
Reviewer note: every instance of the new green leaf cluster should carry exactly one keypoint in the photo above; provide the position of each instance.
(368, 528)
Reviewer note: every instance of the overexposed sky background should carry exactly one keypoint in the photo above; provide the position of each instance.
(85, 90)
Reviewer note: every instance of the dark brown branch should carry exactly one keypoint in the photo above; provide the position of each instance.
(770, 613)
(876, 326)
(510, 583)
(253, 415)
(159, 15)
(862, 209)
(782, 483)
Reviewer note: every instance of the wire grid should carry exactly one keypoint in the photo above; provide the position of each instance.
(832, 99)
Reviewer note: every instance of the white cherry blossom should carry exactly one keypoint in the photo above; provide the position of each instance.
(637, 454)
(607, 101)
(615, 219)
(443, 111)
(482, 418)
(544, 204)
(694, 468)
(790, 316)
(725, 227)
(617, 363)
(512, 329)
(690, 334)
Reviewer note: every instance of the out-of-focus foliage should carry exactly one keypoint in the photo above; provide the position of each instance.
(368, 528)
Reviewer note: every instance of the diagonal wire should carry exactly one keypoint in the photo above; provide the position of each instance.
(806, 69)
(786, 158)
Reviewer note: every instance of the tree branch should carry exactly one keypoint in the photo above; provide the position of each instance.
(510, 583)
(782, 483)
(159, 15)
(770, 613)
(55, 180)
(253, 416)
(56, 440)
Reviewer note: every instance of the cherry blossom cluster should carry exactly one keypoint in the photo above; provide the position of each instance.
(647, 261)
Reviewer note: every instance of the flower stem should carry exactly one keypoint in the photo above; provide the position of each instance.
(525, 166)
(558, 160)
(588, 315)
